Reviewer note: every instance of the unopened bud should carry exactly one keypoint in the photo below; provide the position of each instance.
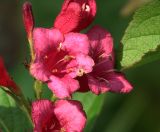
(28, 18)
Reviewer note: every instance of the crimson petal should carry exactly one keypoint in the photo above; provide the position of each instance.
(75, 15)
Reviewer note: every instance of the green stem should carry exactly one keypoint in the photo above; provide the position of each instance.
(31, 47)
(4, 126)
(38, 89)
(25, 106)
(21, 100)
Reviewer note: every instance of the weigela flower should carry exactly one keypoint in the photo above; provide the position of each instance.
(5, 79)
(59, 58)
(75, 15)
(103, 78)
(61, 116)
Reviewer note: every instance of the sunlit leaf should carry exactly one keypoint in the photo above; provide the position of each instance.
(141, 40)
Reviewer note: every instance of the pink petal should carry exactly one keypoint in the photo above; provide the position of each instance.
(118, 83)
(45, 39)
(42, 111)
(82, 64)
(71, 115)
(75, 15)
(97, 86)
(103, 66)
(37, 70)
(76, 43)
(85, 62)
(63, 87)
(101, 44)
(111, 81)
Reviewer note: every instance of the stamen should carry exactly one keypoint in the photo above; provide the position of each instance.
(68, 57)
(111, 70)
(85, 7)
(67, 70)
(52, 126)
(59, 47)
(103, 79)
(102, 56)
(80, 72)
(54, 70)
(63, 130)
(45, 57)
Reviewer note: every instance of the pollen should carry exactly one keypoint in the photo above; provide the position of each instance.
(59, 47)
(85, 7)
(45, 57)
(80, 72)
(68, 57)
(63, 130)
(54, 70)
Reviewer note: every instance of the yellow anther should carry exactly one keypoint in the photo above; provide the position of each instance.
(54, 70)
(80, 72)
(69, 70)
(63, 130)
(59, 47)
(68, 57)
(45, 57)
(85, 7)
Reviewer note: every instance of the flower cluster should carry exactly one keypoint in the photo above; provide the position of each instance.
(69, 61)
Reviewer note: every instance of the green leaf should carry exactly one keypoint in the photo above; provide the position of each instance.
(92, 105)
(141, 42)
(12, 119)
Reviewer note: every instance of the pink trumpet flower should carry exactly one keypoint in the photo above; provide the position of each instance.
(59, 58)
(61, 116)
(103, 78)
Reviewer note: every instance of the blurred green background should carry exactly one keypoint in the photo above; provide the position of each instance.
(138, 111)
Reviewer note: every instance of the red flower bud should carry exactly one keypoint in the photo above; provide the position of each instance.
(75, 15)
(28, 18)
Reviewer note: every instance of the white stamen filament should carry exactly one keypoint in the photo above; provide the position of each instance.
(85, 7)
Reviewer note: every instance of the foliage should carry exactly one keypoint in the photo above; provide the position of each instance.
(141, 40)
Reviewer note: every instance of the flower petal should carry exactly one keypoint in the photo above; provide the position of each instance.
(75, 15)
(118, 83)
(97, 86)
(42, 112)
(101, 44)
(71, 115)
(81, 65)
(76, 43)
(46, 39)
(112, 81)
(38, 71)
(63, 87)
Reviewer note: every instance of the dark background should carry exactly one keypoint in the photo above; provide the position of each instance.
(138, 111)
